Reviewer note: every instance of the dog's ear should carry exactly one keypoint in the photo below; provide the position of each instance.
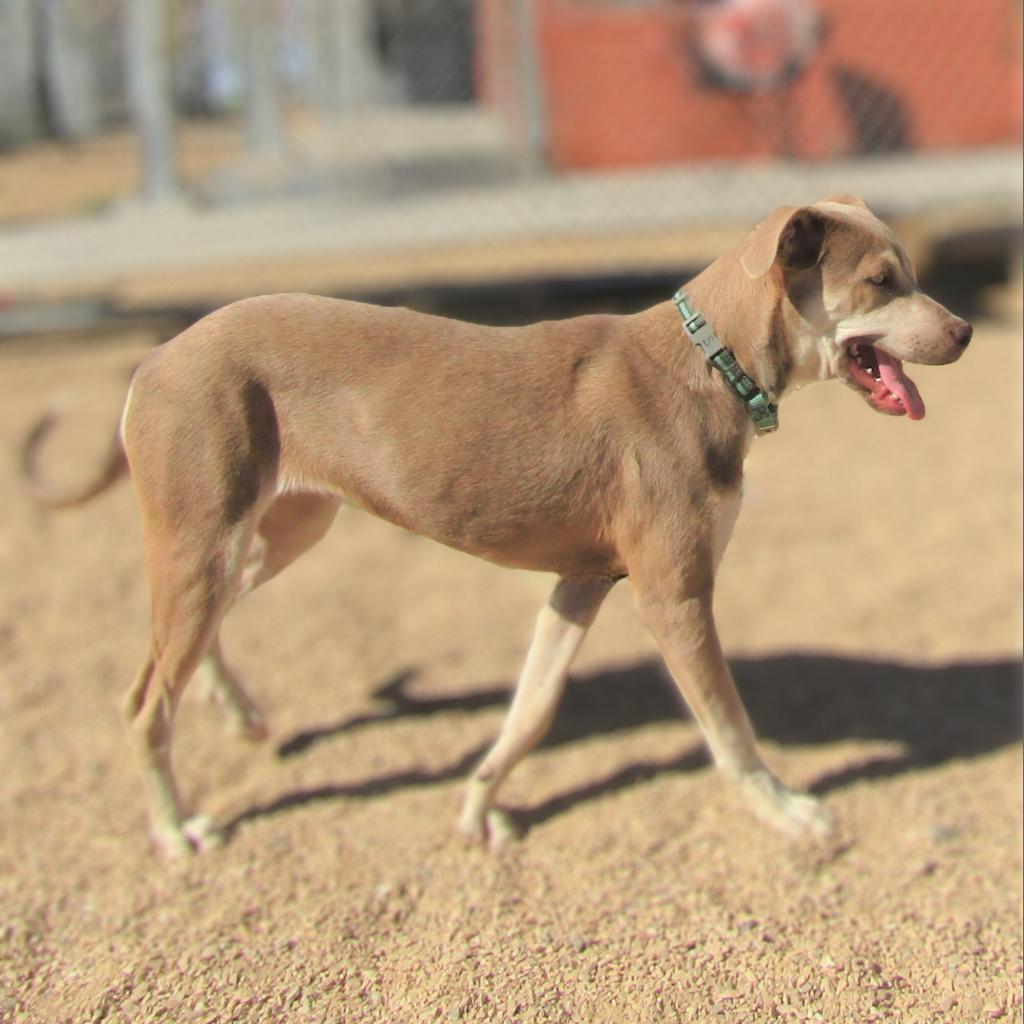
(792, 237)
(849, 201)
(801, 239)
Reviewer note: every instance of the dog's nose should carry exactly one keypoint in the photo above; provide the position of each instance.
(962, 333)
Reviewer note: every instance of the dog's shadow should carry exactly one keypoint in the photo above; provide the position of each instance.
(931, 715)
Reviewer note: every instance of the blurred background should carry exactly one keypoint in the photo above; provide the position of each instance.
(508, 161)
(169, 155)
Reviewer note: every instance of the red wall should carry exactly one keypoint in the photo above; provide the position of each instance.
(622, 86)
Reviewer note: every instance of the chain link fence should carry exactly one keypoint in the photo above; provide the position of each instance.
(418, 124)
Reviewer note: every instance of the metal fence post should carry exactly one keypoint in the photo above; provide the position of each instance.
(531, 79)
(263, 99)
(68, 69)
(19, 109)
(352, 77)
(152, 102)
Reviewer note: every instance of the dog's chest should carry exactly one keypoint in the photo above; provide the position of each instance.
(725, 511)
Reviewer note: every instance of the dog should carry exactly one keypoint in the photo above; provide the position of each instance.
(595, 448)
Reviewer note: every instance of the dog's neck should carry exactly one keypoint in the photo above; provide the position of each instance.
(757, 321)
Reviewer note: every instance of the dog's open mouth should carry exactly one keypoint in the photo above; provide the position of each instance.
(881, 376)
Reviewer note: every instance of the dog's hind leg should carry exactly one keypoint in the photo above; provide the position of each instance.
(192, 583)
(290, 526)
(222, 687)
(561, 626)
(204, 456)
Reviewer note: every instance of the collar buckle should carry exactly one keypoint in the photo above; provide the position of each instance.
(762, 410)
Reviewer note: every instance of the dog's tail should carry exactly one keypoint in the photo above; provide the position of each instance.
(113, 466)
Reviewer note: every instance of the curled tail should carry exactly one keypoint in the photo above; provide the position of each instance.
(111, 469)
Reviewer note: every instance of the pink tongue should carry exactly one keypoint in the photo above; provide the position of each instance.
(899, 384)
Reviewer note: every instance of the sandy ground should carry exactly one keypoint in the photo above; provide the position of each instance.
(870, 604)
(54, 179)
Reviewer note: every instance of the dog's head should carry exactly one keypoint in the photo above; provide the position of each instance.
(853, 286)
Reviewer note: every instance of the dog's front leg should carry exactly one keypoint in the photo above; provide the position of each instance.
(561, 626)
(685, 631)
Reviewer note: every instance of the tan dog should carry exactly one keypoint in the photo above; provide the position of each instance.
(594, 448)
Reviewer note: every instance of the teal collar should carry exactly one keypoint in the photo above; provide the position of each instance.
(763, 411)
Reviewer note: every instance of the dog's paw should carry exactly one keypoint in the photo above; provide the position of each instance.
(219, 687)
(249, 726)
(242, 715)
(798, 815)
(197, 834)
(202, 833)
(496, 829)
(502, 830)
(806, 817)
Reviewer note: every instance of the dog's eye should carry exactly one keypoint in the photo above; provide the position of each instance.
(882, 280)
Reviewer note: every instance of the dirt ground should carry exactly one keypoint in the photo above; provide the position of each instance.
(869, 602)
(60, 179)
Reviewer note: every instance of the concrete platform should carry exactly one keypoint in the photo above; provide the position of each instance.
(629, 223)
